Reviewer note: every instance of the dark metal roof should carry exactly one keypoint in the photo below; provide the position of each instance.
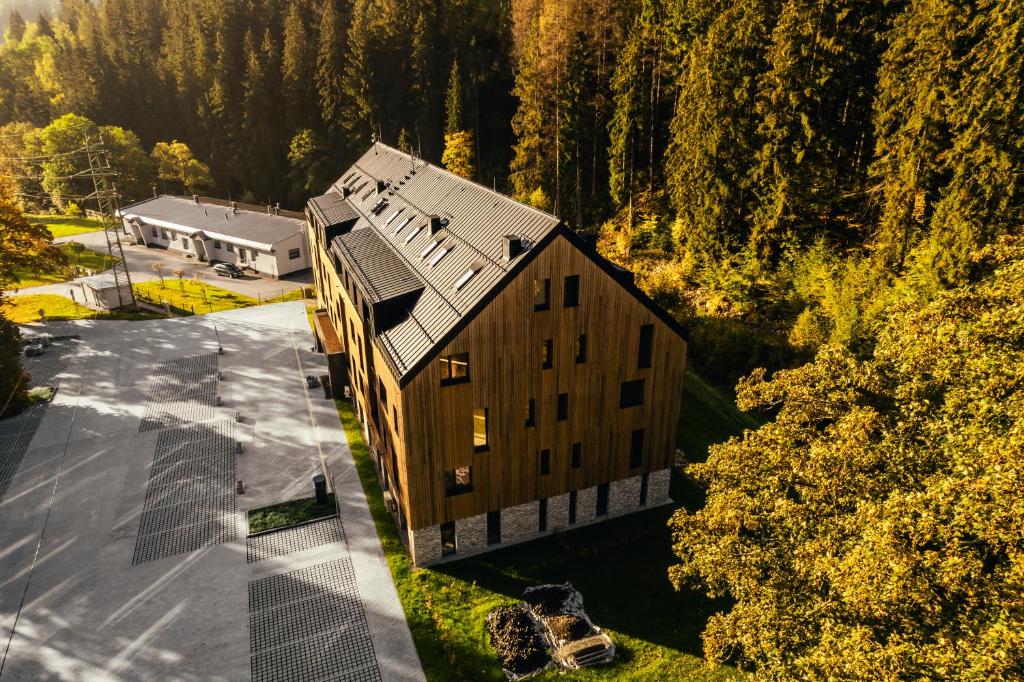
(332, 209)
(217, 221)
(382, 274)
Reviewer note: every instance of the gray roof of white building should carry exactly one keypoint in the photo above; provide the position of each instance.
(216, 219)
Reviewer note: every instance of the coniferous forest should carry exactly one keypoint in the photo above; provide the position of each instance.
(829, 195)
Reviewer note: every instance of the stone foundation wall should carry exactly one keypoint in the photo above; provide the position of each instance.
(471, 534)
(624, 496)
(657, 487)
(425, 545)
(558, 512)
(586, 505)
(521, 521)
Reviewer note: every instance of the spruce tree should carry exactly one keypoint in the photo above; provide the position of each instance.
(298, 69)
(330, 66)
(15, 26)
(453, 101)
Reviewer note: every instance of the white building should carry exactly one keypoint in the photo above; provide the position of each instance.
(267, 241)
(97, 292)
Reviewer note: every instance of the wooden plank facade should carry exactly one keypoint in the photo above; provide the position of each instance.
(558, 397)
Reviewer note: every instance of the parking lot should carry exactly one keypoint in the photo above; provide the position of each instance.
(123, 549)
(140, 267)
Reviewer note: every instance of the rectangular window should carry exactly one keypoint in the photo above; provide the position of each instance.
(577, 455)
(643, 355)
(541, 294)
(480, 429)
(241, 255)
(542, 509)
(531, 413)
(545, 462)
(602, 499)
(458, 481)
(563, 406)
(153, 230)
(216, 245)
(546, 354)
(493, 527)
(231, 248)
(572, 507)
(394, 413)
(454, 369)
(383, 394)
(448, 538)
(581, 349)
(631, 393)
(643, 490)
(184, 243)
(636, 449)
(254, 253)
(571, 292)
(164, 232)
(293, 254)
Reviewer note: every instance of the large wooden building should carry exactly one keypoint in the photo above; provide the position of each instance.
(510, 381)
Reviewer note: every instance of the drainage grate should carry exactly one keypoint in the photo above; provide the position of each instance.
(294, 540)
(182, 390)
(309, 624)
(190, 501)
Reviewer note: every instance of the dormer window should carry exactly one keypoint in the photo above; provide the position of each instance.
(439, 254)
(467, 275)
(412, 235)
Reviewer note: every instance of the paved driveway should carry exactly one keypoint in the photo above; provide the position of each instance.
(140, 266)
(122, 542)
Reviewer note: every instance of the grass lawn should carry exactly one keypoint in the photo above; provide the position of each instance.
(61, 226)
(86, 259)
(288, 513)
(186, 298)
(25, 309)
(619, 565)
(708, 417)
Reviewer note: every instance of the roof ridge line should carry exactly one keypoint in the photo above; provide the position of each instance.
(469, 180)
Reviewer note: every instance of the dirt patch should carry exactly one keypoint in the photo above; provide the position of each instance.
(516, 640)
(568, 628)
(548, 600)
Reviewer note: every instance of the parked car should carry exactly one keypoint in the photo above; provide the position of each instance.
(33, 349)
(30, 340)
(228, 270)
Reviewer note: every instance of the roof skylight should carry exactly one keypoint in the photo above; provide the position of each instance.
(441, 253)
(412, 235)
(467, 275)
(401, 225)
(429, 247)
(392, 217)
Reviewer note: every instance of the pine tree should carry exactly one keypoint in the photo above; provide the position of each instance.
(330, 66)
(298, 69)
(15, 26)
(814, 104)
(916, 84)
(714, 130)
(453, 101)
(984, 197)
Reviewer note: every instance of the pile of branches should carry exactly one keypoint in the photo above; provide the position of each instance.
(569, 628)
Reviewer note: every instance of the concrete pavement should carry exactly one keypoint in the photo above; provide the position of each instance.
(70, 522)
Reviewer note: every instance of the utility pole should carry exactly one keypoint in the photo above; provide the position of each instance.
(105, 196)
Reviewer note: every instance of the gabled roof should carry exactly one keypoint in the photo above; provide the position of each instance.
(437, 239)
(257, 227)
(470, 221)
(382, 273)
